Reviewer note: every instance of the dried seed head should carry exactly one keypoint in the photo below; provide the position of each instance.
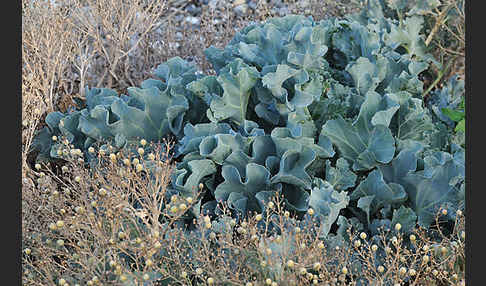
(207, 219)
(398, 226)
(102, 192)
(362, 235)
(443, 250)
(112, 157)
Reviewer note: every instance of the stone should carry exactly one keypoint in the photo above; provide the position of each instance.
(241, 10)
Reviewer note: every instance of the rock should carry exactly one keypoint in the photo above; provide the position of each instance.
(193, 20)
(178, 18)
(193, 10)
(252, 5)
(241, 10)
(239, 2)
(213, 4)
(283, 11)
(304, 3)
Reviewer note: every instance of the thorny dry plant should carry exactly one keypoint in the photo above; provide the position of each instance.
(447, 35)
(117, 223)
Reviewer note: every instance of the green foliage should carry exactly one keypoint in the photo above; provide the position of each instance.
(328, 115)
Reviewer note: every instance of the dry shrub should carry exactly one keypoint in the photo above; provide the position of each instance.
(117, 224)
(447, 36)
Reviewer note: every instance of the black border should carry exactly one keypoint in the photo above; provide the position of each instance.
(12, 118)
(469, 107)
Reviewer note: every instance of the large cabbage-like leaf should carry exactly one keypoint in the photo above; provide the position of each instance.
(366, 74)
(406, 217)
(384, 194)
(151, 122)
(368, 142)
(220, 146)
(241, 194)
(440, 184)
(236, 80)
(412, 121)
(186, 181)
(194, 134)
(340, 177)
(327, 204)
(293, 167)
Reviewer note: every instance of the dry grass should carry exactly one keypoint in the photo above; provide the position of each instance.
(71, 231)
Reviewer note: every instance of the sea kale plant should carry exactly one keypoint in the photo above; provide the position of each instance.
(327, 115)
